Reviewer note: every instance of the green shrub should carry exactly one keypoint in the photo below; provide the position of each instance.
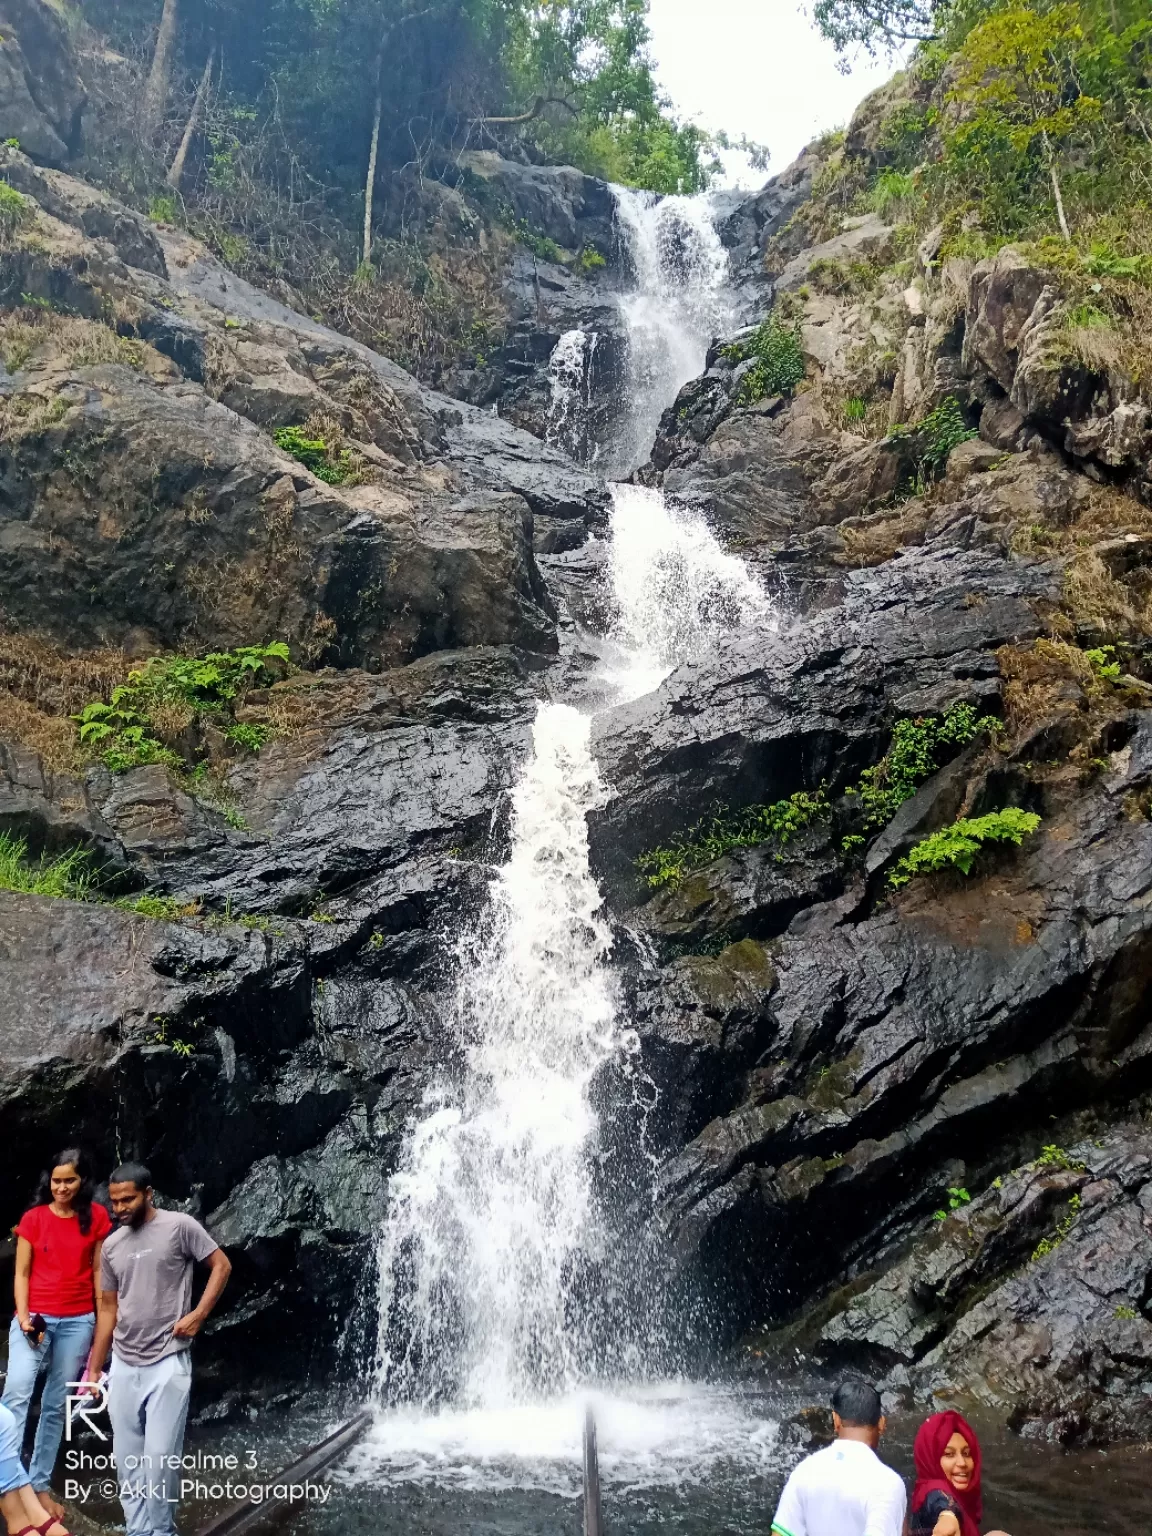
(918, 747)
(589, 259)
(68, 874)
(253, 737)
(1103, 261)
(891, 192)
(779, 361)
(14, 210)
(717, 835)
(171, 691)
(855, 409)
(957, 846)
(162, 209)
(333, 466)
(941, 430)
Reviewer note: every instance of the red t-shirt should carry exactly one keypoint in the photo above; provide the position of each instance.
(61, 1281)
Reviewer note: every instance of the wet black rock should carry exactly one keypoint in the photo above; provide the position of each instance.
(764, 716)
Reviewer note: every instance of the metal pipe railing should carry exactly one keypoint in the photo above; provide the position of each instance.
(246, 1515)
(593, 1508)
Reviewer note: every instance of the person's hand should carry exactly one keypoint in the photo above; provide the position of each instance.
(188, 1326)
(26, 1324)
(90, 1386)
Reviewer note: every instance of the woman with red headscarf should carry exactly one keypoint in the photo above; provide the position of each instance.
(946, 1500)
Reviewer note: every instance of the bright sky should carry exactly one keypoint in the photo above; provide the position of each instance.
(756, 67)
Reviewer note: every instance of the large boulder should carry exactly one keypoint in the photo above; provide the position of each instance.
(41, 97)
(556, 201)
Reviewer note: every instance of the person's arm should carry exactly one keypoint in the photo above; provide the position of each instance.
(220, 1268)
(20, 1284)
(96, 1252)
(106, 1306)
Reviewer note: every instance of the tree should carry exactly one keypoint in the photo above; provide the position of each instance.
(875, 25)
(195, 117)
(156, 89)
(1016, 77)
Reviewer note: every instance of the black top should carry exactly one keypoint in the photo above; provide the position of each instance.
(923, 1520)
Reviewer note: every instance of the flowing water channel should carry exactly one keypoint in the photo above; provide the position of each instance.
(501, 1264)
(510, 1295)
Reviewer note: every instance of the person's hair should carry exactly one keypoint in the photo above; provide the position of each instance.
(77, 1158)
(858, 1403)
(131, 1173)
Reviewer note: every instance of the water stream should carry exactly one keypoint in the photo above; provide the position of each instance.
(496, 1255)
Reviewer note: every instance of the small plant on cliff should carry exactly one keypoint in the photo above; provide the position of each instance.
(1049, 1244)
(717, 835)
(942, 430)
(332, 465)
(1057, 1159)
(956, 846)
(14, 210)
(917, 749)
(165, 697)
(957, 1198)
(778, 364)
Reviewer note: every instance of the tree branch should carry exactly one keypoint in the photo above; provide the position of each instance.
(526, 117)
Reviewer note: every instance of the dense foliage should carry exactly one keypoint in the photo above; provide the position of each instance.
(148, 717)
(1027, 117)
(304, 77)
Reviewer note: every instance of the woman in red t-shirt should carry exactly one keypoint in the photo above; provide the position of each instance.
(58, 1245)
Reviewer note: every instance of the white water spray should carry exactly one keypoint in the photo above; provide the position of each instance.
(492, 1203)
(676, 590)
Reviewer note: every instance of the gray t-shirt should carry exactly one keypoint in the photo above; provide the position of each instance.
(150, 1269)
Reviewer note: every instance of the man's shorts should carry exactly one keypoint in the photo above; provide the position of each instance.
(12, 1473)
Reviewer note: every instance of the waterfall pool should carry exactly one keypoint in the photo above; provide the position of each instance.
(697, 1460)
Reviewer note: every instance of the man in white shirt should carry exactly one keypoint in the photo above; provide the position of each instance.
(845, 1489)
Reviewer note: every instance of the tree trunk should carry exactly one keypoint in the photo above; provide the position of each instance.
(176, 174)
(156, 90)
(370, 179)
(1056, 193)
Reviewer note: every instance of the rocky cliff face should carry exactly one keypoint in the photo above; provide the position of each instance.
(840, 1055)
(839, 1059)
(265, 1054)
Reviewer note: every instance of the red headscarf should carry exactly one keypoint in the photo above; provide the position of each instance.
(931, 1440)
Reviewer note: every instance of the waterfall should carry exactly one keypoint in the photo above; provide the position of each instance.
(570, 375)
(492, 1203)
(678, 303)
(675, 589)
(493, 1241)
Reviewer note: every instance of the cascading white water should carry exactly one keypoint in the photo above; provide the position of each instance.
(492, 1201)
(570, 374)
(676, 590)
(492, 1228)
(678, 304)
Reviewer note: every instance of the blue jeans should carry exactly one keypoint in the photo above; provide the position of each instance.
(63, 1353)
